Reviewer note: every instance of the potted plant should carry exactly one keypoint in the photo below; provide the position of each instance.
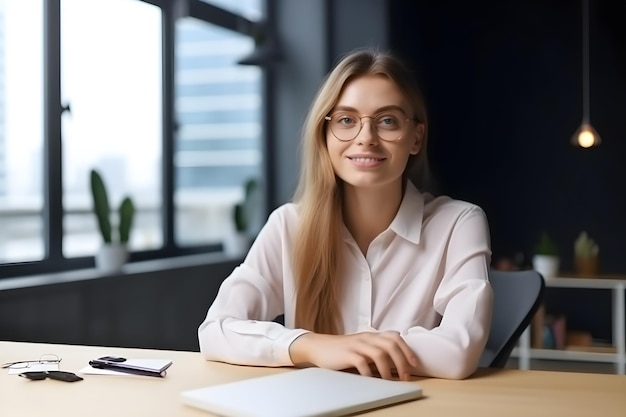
(114, 251)
(238, 241)
(585, 255)
(546, 257)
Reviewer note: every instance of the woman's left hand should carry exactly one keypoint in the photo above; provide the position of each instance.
(384, 352)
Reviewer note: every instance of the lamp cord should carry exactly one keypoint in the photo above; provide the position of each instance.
(586, 98)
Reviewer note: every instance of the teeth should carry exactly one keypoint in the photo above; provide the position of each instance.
(366, 159)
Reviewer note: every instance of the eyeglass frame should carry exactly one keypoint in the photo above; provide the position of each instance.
(330, 116)
(42, 359)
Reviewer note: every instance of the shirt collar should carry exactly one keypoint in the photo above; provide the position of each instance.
(408, 221)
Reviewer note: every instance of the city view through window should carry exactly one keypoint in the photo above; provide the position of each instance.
(111, 85)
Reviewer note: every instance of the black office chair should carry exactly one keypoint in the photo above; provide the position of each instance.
(516, 297)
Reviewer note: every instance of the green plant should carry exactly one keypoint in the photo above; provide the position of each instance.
(546, 246)
(585, 247)
(243, 211)
(102, 210)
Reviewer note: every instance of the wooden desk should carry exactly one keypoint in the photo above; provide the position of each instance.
(509, 392)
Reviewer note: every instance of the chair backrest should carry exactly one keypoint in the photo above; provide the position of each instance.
(516, 297)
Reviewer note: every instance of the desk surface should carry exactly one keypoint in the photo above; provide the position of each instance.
(508, 392)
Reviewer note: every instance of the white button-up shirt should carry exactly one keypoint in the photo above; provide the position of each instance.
(424, 277)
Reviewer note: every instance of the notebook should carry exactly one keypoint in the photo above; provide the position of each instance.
(301, 393)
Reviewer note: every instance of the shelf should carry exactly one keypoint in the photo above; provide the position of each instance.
(617, 285)
(569, 355)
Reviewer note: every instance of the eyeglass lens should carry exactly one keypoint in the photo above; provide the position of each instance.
(389, 126)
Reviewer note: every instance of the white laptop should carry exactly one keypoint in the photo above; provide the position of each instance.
(301, 393)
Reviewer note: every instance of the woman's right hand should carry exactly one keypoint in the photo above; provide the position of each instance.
(386, 352)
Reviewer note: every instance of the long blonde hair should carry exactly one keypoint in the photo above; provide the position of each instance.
(319, 242)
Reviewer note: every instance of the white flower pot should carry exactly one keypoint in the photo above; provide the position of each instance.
(546, 265)
(236, 244)
(111, 257)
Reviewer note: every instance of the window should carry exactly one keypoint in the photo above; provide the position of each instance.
(21, 131)
(111, 81)
(218, 112)
(138, 91)
(248, 8)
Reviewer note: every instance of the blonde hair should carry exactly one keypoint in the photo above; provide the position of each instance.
(319, 241)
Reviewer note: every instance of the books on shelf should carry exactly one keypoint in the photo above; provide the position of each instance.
(550, 332)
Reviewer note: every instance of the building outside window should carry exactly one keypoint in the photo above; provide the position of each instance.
(218, 113)
(111, 119)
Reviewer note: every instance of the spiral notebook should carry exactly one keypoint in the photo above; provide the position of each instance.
(302, 393)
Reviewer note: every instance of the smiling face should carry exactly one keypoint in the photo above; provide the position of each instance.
(367, 161)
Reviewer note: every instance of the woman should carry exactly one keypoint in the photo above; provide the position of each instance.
(369, 272)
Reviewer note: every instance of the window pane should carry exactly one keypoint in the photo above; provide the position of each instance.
(218, 146)
(111, 78)
(21, 130)
(252, 9)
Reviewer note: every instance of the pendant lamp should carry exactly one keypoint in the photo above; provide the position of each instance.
(586, 136)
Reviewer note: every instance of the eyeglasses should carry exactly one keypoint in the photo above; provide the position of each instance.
(390, 125)
(46, 358)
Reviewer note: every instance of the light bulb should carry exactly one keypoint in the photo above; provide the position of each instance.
(585, 139)
(586, 136)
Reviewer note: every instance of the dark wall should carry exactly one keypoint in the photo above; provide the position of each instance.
(503, 81)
